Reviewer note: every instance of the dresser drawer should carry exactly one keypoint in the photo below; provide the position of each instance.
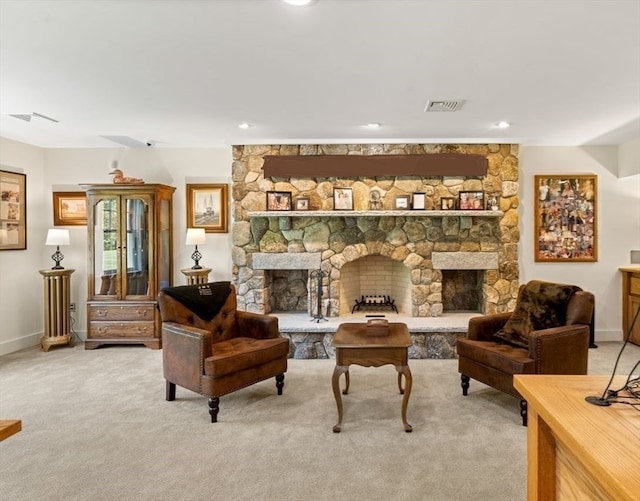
(634, 285)
(111, 330)
(133, 312)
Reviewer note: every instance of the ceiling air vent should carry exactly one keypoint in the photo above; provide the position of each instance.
(451, 105)
(28, 116)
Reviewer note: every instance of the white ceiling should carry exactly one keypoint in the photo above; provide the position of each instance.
(185, 73)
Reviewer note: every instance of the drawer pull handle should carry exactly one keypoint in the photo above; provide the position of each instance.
(102, 313)
(103, 330)
(141, 313)
(142, 330)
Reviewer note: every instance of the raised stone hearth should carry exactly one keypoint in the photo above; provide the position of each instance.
(422, 243)
(434, 337)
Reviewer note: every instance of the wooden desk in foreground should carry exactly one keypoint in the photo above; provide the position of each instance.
(9, 427)
(577, 450)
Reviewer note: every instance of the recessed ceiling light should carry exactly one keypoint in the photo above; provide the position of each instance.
(503, 125)
(298, 3)
(373, 125)
(244, 125)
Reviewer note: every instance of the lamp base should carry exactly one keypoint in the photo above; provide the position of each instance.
(57, 258)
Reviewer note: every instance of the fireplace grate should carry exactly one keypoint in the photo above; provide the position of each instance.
(374, 302)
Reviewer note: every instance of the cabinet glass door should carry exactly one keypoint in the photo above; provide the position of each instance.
(135, 249)
(105, 259)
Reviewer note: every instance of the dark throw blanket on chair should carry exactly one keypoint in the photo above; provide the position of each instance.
(540, 305)
(205, 300)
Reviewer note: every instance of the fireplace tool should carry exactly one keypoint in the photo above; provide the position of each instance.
(317, 274)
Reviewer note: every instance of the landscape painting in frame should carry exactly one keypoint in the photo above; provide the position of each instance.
(207, 207)
(13, 212)
(69, 208)
(566, 217)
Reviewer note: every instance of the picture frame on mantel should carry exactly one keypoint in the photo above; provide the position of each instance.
(566, 217)
(278, 200)
(419, 201)
(343, 199)
(402, 202)
(207, 207)
(471, 200)
(69, 208)
(13, 210)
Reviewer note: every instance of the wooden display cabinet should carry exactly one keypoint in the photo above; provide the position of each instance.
(130, 256)
(631, 301)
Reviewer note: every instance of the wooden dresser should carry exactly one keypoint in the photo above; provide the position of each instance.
(630, 301)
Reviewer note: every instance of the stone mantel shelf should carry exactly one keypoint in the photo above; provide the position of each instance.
(377, 213)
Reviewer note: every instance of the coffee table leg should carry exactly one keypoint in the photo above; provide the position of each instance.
(400, 383)
(404, 369)
(335, 382)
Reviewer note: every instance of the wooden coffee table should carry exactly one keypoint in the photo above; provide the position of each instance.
(353, 346)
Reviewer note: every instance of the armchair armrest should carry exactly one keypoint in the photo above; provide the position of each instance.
(482, 328)
(256, 325)
(560, 350)
(184, 349)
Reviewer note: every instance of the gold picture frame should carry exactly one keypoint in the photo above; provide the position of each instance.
(207, 207)
(566, 218)
(13, 210)
(69, 208)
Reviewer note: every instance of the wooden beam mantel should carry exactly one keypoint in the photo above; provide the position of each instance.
(428, 165)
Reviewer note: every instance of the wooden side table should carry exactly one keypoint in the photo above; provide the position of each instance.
(57, 308)
(199, 276)
(353, 346)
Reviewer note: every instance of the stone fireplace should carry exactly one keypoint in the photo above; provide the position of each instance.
(427, 260)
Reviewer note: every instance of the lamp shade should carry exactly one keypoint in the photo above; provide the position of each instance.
(57, 237)
(195, 236)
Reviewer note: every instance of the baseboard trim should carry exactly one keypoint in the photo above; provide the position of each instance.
(20, 343)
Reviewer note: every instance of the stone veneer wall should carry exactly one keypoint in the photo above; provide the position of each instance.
(412, 240)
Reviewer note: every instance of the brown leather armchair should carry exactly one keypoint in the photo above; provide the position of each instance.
(212, 348)
(547, 333)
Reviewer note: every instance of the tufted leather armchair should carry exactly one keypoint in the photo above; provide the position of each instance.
(215, 357)
(562, 349)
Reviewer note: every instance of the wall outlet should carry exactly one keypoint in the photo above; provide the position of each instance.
(72, 307)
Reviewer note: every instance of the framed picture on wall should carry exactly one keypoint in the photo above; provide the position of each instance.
(566, 218)
(69, 208)
(207, 207)
(13, 210)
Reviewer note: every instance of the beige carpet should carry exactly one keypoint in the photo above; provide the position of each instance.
(96, 427)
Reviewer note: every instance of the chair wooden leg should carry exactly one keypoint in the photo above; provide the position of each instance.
(464, 382)
(214, 407)
(280, 383)
(523, 412)
(170, 391)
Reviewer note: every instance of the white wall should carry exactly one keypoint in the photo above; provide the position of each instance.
(618, 227)
(21, 296)
(629, 158)
(21, 286)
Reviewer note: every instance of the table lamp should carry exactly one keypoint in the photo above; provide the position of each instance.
(196, 236)
(57, 238)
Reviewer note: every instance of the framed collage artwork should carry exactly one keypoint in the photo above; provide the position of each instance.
(566, 218)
